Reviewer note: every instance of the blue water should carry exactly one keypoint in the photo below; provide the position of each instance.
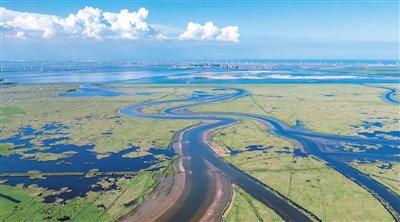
(88, 90)
(128, 71)
(83, 72)
(83, 160)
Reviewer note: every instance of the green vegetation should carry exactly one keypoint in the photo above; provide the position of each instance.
(7, 112)
(306, 180)
(88, 120)
(48, 156)
(136, 154)
(6, 149)
(330, 108)
(35, 174)
(129, 194)
(10, 111)
(385, 173)
(245, 208)
(26, 203)
(239, 138)
(339, 109)
(92, 120)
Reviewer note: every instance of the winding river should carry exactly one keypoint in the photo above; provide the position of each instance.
(388, 96)
(323, 146)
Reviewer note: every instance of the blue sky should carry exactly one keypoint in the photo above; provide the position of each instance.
(254, 30)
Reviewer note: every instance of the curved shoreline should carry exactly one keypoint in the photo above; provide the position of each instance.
(171, 188)
(389, 95)
(310, 141)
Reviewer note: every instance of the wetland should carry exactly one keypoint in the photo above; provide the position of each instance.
(269, 151)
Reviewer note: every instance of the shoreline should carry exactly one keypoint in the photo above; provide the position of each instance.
(166, 195)
(174, 188)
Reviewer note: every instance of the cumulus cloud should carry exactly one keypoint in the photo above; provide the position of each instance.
(88, 22)
(210, 32)
(128, 24)
(94, 23)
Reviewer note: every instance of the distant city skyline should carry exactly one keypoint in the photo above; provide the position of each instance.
(58, 30)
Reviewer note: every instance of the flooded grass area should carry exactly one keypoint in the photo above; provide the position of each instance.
(386, 173)
(345, 113)
(304, 179)
(65, 151)
(67, 154)
(115, 199)
(90, 120)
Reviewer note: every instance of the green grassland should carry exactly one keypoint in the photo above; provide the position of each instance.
(94, 120)
(306, 180)
(328, 108)
(385, 173)
(90, 120)
(246, 208)
(6, 149)
(47, 156)
(96, 206)
(227, 137)
(10, 111)
(6, 114)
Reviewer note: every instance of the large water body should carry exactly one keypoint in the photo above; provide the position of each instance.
(98, 74)
(102, 73)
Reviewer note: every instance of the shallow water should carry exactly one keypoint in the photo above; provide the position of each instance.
(88, 90)
(102, 72)
(82, 73)
(84, 160)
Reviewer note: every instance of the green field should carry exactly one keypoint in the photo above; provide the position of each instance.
(329, 108)
(88, 120)
(243, 207)
(250, 132)
(27, 203)
(385, 173)
(307, 181)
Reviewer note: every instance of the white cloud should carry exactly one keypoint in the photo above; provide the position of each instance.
(94, 23)
(210, 32)
(88, 22)
(229, 34)
(128, 24)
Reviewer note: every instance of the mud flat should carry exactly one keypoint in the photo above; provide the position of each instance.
(171, 188)
(165, 203)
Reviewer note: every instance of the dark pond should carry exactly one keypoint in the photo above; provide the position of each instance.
(235, 152)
